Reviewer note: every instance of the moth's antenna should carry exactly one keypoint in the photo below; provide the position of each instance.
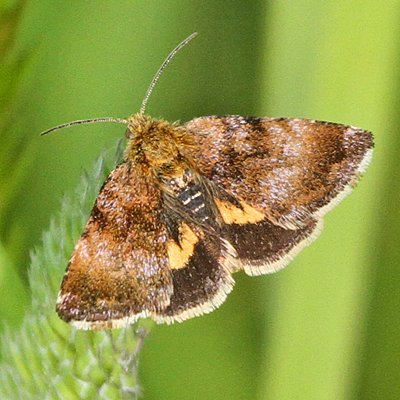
(161, 69)
(86, 121)
(144, 102)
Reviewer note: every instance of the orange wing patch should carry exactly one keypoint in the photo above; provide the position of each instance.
(179, 254)
(236, 215)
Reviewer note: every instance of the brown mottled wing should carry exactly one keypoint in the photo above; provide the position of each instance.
(138, 258)
(290, 169)
(276, 178)
(119, 270)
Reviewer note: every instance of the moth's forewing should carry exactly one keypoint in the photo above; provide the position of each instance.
(278, 177)
(289, 169)
(119, 269)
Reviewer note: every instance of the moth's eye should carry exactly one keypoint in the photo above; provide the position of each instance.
(167, 167)
(128, 134)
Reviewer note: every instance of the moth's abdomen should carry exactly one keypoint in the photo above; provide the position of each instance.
(192, 196)
(194, 202)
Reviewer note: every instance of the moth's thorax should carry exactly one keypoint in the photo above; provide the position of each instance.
(157, 143)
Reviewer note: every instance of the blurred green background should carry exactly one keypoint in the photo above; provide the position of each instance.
(328, 326)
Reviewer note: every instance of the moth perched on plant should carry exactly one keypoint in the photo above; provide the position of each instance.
(192, 204)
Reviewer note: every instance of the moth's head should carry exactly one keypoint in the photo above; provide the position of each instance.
(138, 125)
(155, 142)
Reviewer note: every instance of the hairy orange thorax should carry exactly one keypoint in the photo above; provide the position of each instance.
(158, 144)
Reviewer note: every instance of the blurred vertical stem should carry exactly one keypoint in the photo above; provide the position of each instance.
(379, 369)
(313, 348)
(14, 163)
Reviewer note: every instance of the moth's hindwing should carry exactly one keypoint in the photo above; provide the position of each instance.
(201, 283)
(201, 261)
(262, 246)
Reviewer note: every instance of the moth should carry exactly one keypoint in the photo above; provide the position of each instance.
(191, 204)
